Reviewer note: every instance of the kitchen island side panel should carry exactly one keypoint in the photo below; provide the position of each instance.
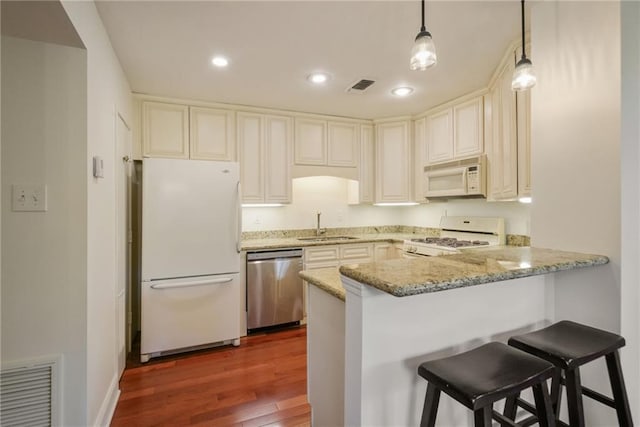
(387, 338)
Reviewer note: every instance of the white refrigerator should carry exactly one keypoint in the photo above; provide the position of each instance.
(191, 224)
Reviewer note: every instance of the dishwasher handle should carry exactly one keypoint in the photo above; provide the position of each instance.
(160, 286)
(266, 255)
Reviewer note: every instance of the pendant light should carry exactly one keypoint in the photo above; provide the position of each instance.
(523, 76)
(423, 54)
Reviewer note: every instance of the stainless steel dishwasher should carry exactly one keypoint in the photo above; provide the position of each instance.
(274, 288)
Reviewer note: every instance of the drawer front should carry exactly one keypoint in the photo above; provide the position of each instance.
(323, 254)
(353, 252)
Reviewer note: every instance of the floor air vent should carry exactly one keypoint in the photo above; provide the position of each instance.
(27, 395)
(360, 86)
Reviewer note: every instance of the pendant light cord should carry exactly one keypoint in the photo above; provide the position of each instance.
(524, 55)
(423, 28)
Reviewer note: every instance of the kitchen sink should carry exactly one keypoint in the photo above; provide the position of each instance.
(325, 238)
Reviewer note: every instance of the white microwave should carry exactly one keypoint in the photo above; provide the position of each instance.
(461, 178)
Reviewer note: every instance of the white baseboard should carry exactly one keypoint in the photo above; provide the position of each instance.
(108, 407)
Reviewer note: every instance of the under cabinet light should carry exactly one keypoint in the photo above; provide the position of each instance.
(261, 205)
(397, 204)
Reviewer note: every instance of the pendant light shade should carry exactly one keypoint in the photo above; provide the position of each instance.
(523, 76)
(423, 54)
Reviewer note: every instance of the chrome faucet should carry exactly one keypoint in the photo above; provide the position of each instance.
(319, 230)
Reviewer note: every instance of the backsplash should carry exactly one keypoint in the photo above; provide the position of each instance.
(341, 231)
(512, 239)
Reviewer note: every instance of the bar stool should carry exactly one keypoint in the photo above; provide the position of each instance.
(484, 375)
(569, 345)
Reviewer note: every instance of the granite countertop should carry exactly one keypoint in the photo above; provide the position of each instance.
(294, 242)
(327, 279)
(405, 277)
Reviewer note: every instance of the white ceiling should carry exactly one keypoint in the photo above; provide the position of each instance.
(165, 48)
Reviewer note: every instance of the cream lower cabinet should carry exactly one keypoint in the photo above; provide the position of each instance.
(184, 132)
(386, 250)
(335, 255)
(394, 168)
(264, 147)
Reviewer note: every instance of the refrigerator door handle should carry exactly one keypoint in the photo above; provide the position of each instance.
(189, 284)
(238, 219)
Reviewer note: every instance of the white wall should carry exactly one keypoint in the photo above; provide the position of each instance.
(630, 156)
(107, 93)
(576, 161)
(516, 214)
(44, 257)
(329, 195)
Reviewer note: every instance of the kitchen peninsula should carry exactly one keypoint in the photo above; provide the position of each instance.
(371, 325)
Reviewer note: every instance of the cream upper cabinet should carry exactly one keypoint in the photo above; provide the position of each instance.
(211, 134)
(456, 132)
(278, 158)
(394, 170)
(440, 136)
(366, 172)
(264, 146)
(183, 132)
(502, 153)
(468, 129)
(421, 156)
(523, 114)
(326, 143)
(165, 130)
(342, 144)
(311, 142)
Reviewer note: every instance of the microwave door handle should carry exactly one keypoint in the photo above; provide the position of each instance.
(447, 172)
(464, 181)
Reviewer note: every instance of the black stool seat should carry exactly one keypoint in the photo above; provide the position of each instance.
(568, 344)
(484, 375)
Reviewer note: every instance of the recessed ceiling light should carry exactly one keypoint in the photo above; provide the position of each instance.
(318, 78)
(402, 91)
(220, 61)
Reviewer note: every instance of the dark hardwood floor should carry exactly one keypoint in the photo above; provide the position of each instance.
(261, 383)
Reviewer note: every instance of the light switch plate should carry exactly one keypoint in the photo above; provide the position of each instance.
(29, 198)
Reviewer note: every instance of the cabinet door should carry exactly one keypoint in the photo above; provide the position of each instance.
(494, 146)
(310, 142)
(381, 251)
(362, 252)
(421, 151)
(211, 134)
(165, 130)
(509, 135)
(342, 144)
(523, 114)
(440, 136)
(277, 149)
(321, 255)
(394, 171)
(251, 157)
(468, 128)
(367, 164)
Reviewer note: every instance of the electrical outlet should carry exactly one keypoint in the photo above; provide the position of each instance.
(29, 198)
(257, 220)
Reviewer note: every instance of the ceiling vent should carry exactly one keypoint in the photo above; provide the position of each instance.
(360, 86)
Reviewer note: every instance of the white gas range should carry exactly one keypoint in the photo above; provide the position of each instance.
(458, 233)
